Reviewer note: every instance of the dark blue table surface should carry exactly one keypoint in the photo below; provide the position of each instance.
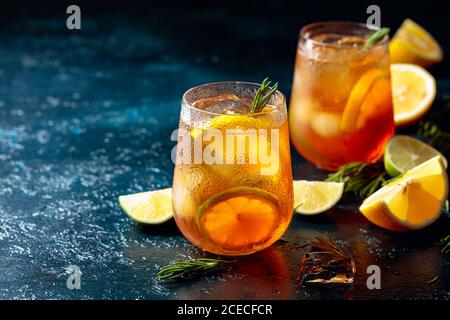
(86, 116)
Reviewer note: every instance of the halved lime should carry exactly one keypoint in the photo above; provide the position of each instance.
(152, 207)
(403, 153)
(314, 197)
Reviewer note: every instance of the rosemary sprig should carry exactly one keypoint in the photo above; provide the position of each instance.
(326, 243)
(376, 37)
(433, 280)
(439, 139)
(189, 269)
(434, 136)
(263, 95)
(446, 242)
(362, 179)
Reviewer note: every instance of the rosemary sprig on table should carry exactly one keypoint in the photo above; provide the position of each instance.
(362, 179)
(434, 136)
(439, 139)
(190, 268)
(376, 37)
(263, 95)
(326, 243)
(433, 280)
(446, 242)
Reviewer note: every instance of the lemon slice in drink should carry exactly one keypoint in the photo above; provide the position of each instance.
(152, 207)
(403, 153)
(238, 121)
(413, 201)
(225, 121)
(413, 44)
(240, 217)
(413, 91)
(314, 197)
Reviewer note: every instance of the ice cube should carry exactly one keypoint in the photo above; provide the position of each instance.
(224, 104)
(326, 124)
(353, 41)
(326, 268)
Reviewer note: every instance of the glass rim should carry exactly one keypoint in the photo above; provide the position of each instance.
(305, 30)
(257, 85)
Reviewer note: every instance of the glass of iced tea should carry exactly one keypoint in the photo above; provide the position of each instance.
(232, 185)
(341, 106)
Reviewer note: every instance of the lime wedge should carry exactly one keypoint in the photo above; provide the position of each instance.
(314, 197)
(152, 207)
(404, 153)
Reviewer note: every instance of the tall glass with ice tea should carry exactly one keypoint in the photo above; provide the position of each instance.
(341, 105)
(232, 185)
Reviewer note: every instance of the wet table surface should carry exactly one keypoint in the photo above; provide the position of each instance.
(86, 116)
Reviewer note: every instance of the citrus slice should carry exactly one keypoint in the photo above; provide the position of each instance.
(152, 207)
(357, 97)
(314, 197)
(413, 91)
(413, 44)
(231, 121)
(403, 153)
(411, 202)
(237, 121)
(240, 217)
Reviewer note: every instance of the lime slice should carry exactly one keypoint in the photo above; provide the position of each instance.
(314, 197)
(152, 207)
(404, 153)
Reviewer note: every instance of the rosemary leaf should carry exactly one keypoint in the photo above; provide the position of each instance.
(434, 136)
(376, 37)
(433, 280)
(446, 243)
(263, 95)
(282, 240)
(189, 269)
(326, 243)
(361, 179)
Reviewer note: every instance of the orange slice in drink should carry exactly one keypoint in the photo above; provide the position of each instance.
(239, 218)
(413, 44)
(358, 95)
(378, 101)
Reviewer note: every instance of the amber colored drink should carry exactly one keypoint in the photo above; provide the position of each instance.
(341, 106)
(236, 199)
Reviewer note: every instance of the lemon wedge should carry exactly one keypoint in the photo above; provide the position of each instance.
(411, 202)
(413, 44)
